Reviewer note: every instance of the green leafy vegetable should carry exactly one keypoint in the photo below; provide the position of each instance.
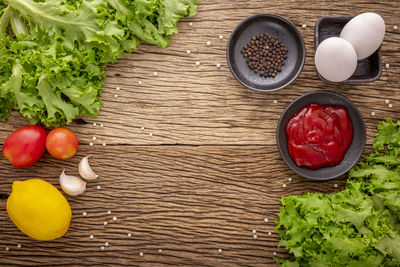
(53, 53)
(359, 226)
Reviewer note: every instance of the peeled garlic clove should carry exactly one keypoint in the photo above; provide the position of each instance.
(85, 170)
(72, 185)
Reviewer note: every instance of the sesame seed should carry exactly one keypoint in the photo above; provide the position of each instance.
(269, 233)
(188, 52)
(274, 253)
(160, 250)
(118, 88)
(254, 231)
(208, 43)
(106, 244)
(290, 179)
(129, 235)
(155, 73)
(197, 63)
(387, 65)
(94, 138)
(115, 95)
(94, 124)
(219, 250)
(221, 37)
(142, 128)
(372, 113)
(104, 144)
(218, 65)
(84, 213)
(114, 218)
(109, 212)
(395, 28)
(284, 185)
(390, 105)
(266, 220)
(7, 248)
(304, 26)
(139, 82)
(150, 134)
(387, 101)
(255, 236)
(190, 24)
(101, 125)
(102, 248)
(105, 223)
(141, 254)
(98, 187)
(19, 246)
(335, 185)
(91, 144)
(275, 101)
(91, 237)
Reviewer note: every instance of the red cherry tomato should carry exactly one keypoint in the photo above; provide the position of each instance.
(25, 146)
(62, 143)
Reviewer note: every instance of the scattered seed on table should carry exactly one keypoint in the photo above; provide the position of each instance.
(387, 101)
(197, 63)
(221, 37)
(141, 254)
(304, 26)
(390, 105)
(109, 212)
(219, 250)
(104, 144)
(84, 214)
(7, 248)
(19, 246)
(290, 179)
(335, 185)
(94, 138)
(115, 95)
(188, 52)
(129, 235)
(106, 244)
(102, 248)
(218, 65)
(208, 43)
(190, 24)
(91, 237)
(284, 185)
(139, 82)
(269, 233)
(150, 134)
(155, 73)
(395, 28)
(98, 187)
(118, 88)
(266, 220)
(160, 250)
(114, 218)
(254, 231)
(94, 124)
(142, 128)
(275, 101)
(372, 113)
(274, 253)
(101, 125)
(387, 65)
(255, 236)
(105, 223)
(91, 144)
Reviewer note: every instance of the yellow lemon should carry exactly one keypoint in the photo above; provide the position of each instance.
(38, 209)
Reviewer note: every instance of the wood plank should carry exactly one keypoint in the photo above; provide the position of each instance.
(189, 201)
(189, 104)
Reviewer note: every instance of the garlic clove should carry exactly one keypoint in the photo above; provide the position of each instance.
(85, 170)
(72, 185)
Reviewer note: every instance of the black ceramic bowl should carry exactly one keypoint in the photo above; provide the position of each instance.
(352, 155)
(368, 69)
(277, 26)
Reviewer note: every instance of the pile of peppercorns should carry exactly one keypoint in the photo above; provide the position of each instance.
(265, 55)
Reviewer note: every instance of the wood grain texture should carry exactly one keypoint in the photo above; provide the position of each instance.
(210, 173)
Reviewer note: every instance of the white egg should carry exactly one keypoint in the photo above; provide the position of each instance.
(365, 32)
(335, 59)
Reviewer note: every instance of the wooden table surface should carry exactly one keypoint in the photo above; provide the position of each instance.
(191, 167)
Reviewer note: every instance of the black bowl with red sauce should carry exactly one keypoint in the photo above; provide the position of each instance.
(353, 153)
